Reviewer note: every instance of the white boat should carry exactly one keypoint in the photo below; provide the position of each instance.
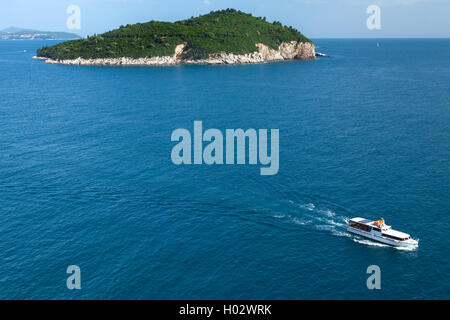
(379, 231)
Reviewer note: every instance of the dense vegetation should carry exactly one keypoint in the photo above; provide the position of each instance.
(229, 31)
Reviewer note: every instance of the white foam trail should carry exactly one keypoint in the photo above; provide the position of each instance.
(300, 222)
(327, 218)
(327, 212)
(369, 243)
(324, 227)
(308, 206)
(341, 234)
(407, 248)
(334, 223)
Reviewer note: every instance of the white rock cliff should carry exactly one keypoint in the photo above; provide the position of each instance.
(286, 51)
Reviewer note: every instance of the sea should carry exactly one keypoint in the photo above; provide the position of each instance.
(87, 180)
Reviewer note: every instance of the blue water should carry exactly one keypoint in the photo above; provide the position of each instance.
(86, 177)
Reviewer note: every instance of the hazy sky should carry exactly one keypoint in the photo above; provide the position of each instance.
(314, 18)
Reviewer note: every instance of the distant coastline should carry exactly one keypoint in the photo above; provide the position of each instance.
(13, 33)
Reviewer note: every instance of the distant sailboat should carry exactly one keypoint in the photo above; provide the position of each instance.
(378, 45)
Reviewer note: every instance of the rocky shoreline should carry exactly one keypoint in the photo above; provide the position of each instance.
(286, 51)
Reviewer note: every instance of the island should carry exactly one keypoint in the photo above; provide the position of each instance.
(14, 33)
(220, 37)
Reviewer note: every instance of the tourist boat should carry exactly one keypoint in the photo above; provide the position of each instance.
(379, 231)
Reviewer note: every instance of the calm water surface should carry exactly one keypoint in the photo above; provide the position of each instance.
(86, 176)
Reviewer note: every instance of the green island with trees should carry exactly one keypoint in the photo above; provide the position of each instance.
(229, 31)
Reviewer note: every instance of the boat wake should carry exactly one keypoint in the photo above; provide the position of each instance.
(367, 242)
(320, 218)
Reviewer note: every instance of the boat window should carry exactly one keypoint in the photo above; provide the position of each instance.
(395, 238)
(359, 226)
(376, 229)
